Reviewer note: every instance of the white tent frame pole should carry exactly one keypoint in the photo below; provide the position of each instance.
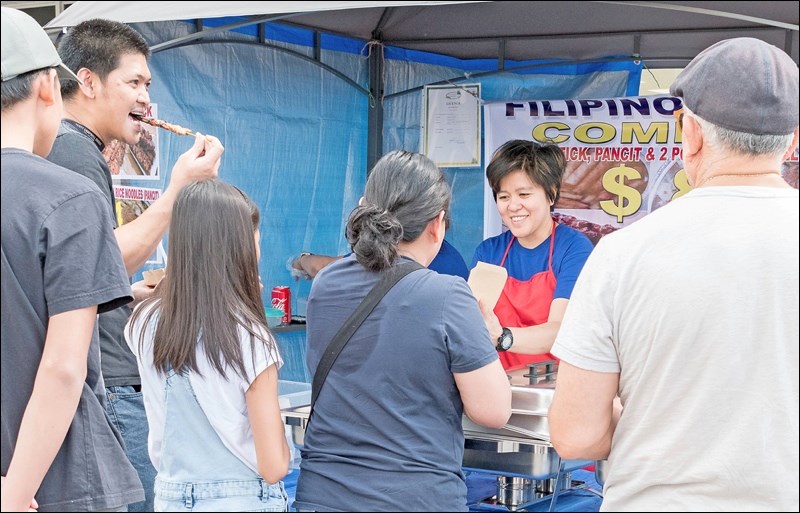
(710, 12)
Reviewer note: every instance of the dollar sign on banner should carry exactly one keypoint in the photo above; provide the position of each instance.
(681, 182)
(628, 199)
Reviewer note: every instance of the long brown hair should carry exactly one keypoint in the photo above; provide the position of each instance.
(211, 290)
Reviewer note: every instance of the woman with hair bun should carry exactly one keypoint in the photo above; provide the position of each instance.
(386, 430)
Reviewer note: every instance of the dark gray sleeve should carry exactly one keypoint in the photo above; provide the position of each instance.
(83, 264)
(80, 155)
(467, 337)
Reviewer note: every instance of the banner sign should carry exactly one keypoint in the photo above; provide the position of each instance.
(623, 157)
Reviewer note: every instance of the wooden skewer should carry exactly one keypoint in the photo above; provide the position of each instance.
(176, 129)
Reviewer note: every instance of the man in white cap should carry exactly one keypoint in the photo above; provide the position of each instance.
(60, 266)
(690, 314)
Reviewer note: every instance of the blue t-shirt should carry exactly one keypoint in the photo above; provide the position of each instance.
(449, 261)
(386, 433)
(570, 252)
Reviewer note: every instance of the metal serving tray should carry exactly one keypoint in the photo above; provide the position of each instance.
(297, 418)
(518, 456)
(501, 451)
(521, 447)
(529, 405)
(521, 424)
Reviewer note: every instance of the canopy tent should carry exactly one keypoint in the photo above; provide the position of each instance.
(659, 34)
(663, 34)
(307, 95)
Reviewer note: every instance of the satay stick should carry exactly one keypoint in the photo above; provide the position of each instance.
(176, 129)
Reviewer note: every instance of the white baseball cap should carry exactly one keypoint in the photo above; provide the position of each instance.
(26, 47)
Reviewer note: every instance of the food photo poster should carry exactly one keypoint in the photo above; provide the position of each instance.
(130, 203)
(136, 161)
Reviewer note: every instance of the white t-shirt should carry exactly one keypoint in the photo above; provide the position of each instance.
(223, 401)
(696, 306)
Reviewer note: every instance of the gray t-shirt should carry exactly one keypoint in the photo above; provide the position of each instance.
(75, 149)
(59, 254)
(386, 432)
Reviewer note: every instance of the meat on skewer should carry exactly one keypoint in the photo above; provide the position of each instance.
(176, 129)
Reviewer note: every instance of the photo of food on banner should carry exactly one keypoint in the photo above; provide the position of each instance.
(617, 190)
(789, 170)
(613, 188)
(130, 203)
(139, 161)
(128, 210)
(669, 183)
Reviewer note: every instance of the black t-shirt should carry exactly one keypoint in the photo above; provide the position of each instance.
(75, 150)
(59, 254)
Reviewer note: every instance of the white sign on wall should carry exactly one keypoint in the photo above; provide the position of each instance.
(451, 125)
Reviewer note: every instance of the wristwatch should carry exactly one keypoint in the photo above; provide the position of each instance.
(300, 263)
(505, 341)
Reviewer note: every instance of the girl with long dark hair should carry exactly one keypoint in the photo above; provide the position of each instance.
(209, 364)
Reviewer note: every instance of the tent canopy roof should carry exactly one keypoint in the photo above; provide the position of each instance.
(664, 34)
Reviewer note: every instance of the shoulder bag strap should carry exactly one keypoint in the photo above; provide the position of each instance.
(387, 281)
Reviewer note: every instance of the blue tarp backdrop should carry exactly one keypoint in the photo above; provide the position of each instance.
(295, 134)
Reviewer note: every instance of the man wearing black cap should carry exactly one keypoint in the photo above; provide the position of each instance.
(60, 267)
(690, 314)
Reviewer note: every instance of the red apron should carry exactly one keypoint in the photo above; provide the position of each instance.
(526, 303)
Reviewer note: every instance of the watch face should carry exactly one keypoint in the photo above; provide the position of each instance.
(505, 341)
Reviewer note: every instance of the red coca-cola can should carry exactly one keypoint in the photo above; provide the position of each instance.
(282, 300)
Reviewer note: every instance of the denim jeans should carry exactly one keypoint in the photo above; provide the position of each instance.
(254, 495)
(125, 406)
(197, 471)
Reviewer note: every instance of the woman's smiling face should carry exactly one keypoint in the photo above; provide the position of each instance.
(524, 208)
